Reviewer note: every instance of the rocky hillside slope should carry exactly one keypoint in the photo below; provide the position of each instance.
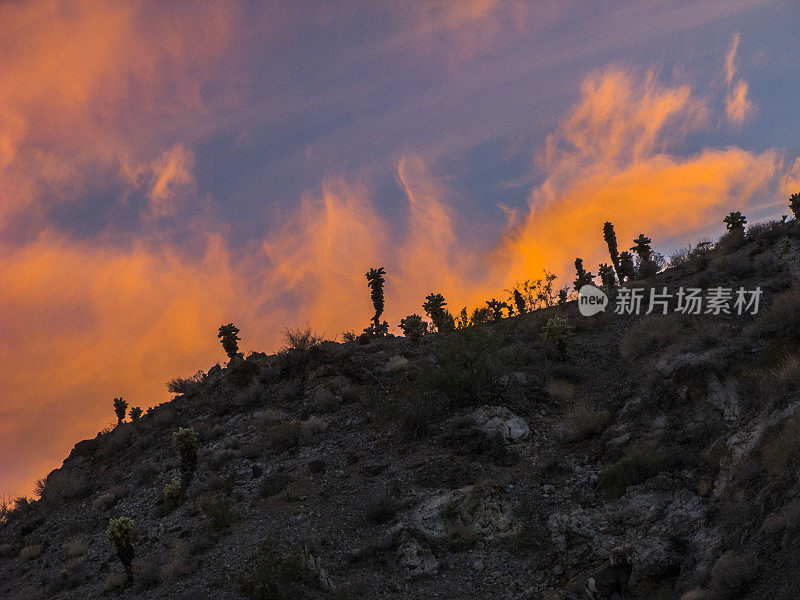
(479, 463)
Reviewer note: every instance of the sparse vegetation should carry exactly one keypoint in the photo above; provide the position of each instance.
(185, 441)
(413, 327)
(434, 307)
(135, 413)
(229, 336)
(630, 470)
(556, 334)
(121, 409)
(122, 534)
(375, 281)
(794, 205)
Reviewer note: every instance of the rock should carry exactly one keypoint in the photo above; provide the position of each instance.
(477, 565)
(706, 487)
(497, 422)
(418, 560)
(395, 363)
(481, 511)
(558, 571)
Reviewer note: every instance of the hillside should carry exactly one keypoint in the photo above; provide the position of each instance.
(478, 463)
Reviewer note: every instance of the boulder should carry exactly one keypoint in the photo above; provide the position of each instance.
(497, 422)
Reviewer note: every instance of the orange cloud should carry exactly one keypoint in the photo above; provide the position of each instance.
(610, 160)
(738, 108)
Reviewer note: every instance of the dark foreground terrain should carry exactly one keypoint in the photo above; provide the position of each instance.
(480, 463)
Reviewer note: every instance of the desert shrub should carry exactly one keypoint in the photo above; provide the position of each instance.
(174, 494)
(582, 421)
(731, 576)
(781, 318)
(185, 440)
(273, 483)
(220, 457)
(144, 474)
(136, 413)
(74, 572)
(282, 436)
(122, 534)
(560, 390)
(148, 571)
(316, 466)
(31, 552)
(273, 573)
(110, 497)
(60, 486)
(229, 336)
(781, 382)
(75, 546)
(460, 537)
(181, 385)
(413, 327)
(780, 452)
(649, 334)
(301, 345)
(466, 368)
(217, 508)
(120, 409)
(180, 564)
(631, 470)
(556, 333)
(382, 508)
(115, 581)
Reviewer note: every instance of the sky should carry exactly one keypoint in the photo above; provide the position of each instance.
(169, 167)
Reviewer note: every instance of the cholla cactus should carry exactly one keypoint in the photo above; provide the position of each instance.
(174, 493)
(122, 534)
(229, 334)
(497, 308)
(626, 267)
(646, 266)
(557, 332)
(563, 297)
(375, 281)
(434, 307)
(120, 408)
(606, 273)
(584, 277)
(794, 205)
(135, 413)
(610, 236)
(735, 222)
(185, 440)
(413, 328)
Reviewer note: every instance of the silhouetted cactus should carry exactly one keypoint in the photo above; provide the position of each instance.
(481, 315)
(462, 320)
(497, 308)
(135, 413)
(185, 440)
(610, 236)
(563, 297)
(735, 222)
(375, 281)
(794, 205)
(583, 277)
(122, 534)
(121, 409)
(606, 273)
(646, 265)
(413, 327)
(519, 301)
(229, 334)
(556, 333)
(434, 307)
(626, 266)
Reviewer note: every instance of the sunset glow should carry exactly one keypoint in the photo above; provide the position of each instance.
(167, 168)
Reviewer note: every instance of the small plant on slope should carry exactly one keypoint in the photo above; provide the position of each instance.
(122, 534)
(135, 413)
(375, 281)
(735, 222)
(556, 333)
(413, 327)
(583, 277)
(120, 408)
(229, 334)
(434, 307)
(185, 440)
(794, 205)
